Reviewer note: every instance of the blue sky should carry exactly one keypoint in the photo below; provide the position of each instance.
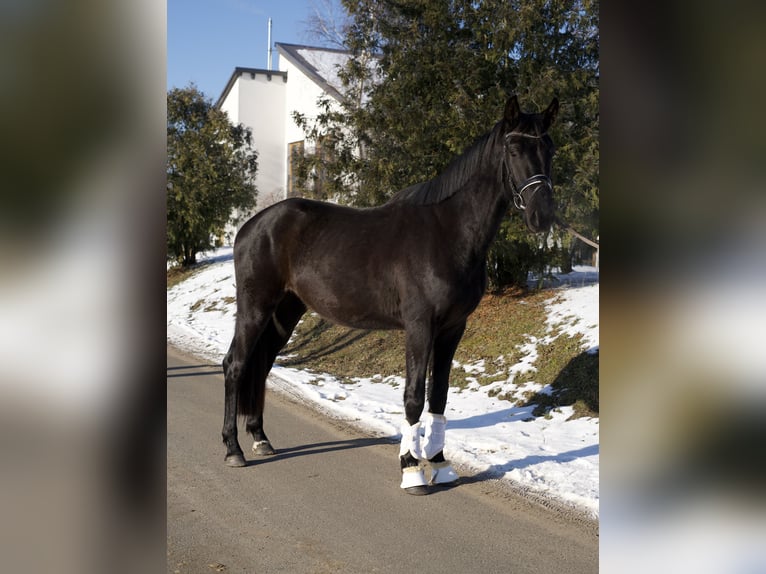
(207, 39)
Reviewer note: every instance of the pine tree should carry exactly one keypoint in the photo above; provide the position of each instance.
(443, 71)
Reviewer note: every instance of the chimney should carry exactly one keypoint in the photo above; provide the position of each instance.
(268, 61)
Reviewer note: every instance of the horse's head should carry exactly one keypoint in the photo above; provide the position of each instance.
(527, 157)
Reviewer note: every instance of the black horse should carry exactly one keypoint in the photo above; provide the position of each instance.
(416, 263)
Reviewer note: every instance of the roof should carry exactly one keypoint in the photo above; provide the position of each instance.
(319, 64)
(238, 71)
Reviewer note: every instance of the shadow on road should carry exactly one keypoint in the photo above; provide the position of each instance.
(498, 470)
(319, 448)
(194, 370)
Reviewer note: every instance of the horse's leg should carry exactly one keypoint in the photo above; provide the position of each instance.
(275, 337)
(233, 365)
(252, 317)
(418, 350)
(435, 422)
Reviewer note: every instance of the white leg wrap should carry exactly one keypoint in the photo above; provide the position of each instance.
(410, 439)
(433, 442)
(442, 473)
(413, 476)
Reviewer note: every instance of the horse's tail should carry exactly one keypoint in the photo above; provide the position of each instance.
(251, 390)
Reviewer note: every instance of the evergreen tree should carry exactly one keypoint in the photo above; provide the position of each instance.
(444, 69)
(211, 167)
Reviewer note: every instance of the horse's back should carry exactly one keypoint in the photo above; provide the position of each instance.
(276, 227)
(308, 224)
(295, 230)
(342, 262)
(265, 221)
(365, 268)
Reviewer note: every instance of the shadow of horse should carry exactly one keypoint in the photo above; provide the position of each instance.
(297, 355)
(193, 370)
(322, 448)
(490, 419)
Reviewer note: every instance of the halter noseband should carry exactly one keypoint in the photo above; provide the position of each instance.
(534, 181)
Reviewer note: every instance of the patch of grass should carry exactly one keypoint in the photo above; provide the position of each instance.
(178, 274)
(495, 392)
(342, 352)
(458, 378)
(500, 324)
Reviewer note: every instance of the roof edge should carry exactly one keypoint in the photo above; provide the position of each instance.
(307, 47)
(238, 71)
(290, 52)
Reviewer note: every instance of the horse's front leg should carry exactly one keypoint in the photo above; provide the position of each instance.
(435, 422)
(418, 350)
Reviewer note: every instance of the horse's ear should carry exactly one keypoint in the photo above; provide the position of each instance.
(549, 116)
(512, 111)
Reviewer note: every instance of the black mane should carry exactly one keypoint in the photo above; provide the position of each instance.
(454, 176)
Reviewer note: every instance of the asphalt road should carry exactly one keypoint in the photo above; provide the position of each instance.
(330, 501)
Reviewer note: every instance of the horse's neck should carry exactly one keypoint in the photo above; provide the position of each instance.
(478, 211)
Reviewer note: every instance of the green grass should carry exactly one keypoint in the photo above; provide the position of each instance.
(493, 334)
(342, 352)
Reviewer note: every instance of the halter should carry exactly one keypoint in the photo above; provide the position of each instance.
(534, 181)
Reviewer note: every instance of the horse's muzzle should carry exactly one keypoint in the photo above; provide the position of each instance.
(537, 221)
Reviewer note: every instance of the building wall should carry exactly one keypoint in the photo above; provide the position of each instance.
(261, 107)
(302, 94)
(265, 102)
(231, 104)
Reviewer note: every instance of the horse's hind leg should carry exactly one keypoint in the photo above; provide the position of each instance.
(274, 338)
(233, 364)
(435, 422)
(253, 315)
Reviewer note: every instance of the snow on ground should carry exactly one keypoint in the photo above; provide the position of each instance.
(551, 457)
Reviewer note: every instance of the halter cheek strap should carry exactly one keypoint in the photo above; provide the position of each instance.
(534, 181)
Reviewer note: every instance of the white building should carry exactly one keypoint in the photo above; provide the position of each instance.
(264, 100)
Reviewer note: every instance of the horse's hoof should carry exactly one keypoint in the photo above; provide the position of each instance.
(442, 474)
(235, 460)
(263, 448)
(414, 480)
(445, 485)
(417, 490)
